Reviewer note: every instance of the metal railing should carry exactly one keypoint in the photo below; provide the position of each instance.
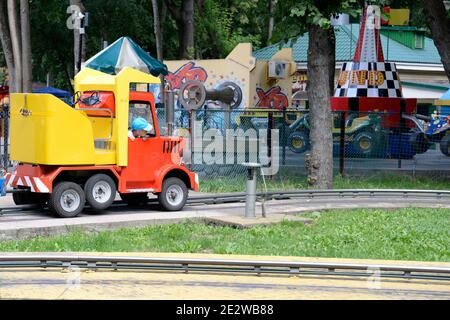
(224, 265)
(235, 197)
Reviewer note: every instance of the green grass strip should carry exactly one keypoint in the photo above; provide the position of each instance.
(401, 234)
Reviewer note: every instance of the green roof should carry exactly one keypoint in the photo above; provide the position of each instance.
(346, 40)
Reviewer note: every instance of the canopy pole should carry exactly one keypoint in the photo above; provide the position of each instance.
(169, 105)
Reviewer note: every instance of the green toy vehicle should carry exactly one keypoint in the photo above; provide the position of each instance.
(363, 133)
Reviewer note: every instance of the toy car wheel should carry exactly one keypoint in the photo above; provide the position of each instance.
(135, 199)
(419, 143)
(173, 195)
(444, 145)
(22, 197)
(298, 142)
(67, 200)
(364, 143)
(100, 191)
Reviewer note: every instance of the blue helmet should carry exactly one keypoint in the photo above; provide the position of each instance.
(140, 124)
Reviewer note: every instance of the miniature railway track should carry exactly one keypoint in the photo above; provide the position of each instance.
(256, 267)
(311, 194)
(285, 195)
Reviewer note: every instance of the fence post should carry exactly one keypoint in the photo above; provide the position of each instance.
(401, 122)
(283, 136)
(342, 143)
(191, 138)
(5, 112)
(269, 139)
(250, 197)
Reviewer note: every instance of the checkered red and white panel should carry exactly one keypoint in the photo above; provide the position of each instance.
(368, 79)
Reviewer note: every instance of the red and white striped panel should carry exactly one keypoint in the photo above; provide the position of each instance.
(369, 47)
(35, 184)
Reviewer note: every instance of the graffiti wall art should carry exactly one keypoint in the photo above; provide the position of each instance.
(186, 72)
(273, 98)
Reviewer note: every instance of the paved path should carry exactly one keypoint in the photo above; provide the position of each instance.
(28, 224)
(56, 284)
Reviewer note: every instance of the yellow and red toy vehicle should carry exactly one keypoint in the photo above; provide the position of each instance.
(71, 155)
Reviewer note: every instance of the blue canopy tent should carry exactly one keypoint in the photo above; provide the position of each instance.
(54, 91)
(63, 95)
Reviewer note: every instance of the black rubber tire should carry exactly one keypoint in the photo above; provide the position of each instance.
(418, 143)
(164, 203)
(444, 145)
(54, 200)
(135, 199)
(89, 185)
(28, 197)
(298, 135)
(364, 136)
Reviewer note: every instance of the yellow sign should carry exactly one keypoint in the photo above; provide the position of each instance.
(359, 77)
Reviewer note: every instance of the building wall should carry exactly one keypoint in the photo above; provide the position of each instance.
(244, 70)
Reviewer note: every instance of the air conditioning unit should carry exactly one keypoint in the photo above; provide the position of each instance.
(278, 70)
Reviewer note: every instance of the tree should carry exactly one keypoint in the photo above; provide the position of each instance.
(321, 66)
(26, 46)
(314, 16)
(184, 17)
(157, 30)
(52, 43)
(7, 46)
(16, 44)
(221, 24)
(15, 40)
(272, 7)
(438, 22)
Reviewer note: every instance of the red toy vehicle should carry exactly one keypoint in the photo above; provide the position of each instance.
(69, 156)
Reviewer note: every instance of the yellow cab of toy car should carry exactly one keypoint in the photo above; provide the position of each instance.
(71, 155)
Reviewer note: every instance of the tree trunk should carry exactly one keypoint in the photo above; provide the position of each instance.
(161, 23)
(319, 161)
(15, 40)
(159, 48)
(27, 77)
(7, 47)
(184, 19)
(272, 6)
(157, 30)
(439, 25)
(187, 32)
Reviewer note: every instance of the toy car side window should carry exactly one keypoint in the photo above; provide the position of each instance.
(140, 110)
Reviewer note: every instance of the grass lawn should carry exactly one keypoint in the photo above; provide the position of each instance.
(405, 234)
(291, 181)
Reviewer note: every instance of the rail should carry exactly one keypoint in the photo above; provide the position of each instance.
(283, 195)
(340, 193)
(224, 265)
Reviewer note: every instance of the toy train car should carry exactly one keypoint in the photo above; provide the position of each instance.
(72, 155)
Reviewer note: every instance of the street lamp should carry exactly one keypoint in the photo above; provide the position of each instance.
(83, 22)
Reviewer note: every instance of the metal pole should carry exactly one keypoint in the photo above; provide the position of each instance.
(270, 126)
(401, 125)
(80, 45)
(227, 116)
(5, 112)
(169, 107)
(191, 138)
(342, 144)
(283, 136)
(250, 193)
